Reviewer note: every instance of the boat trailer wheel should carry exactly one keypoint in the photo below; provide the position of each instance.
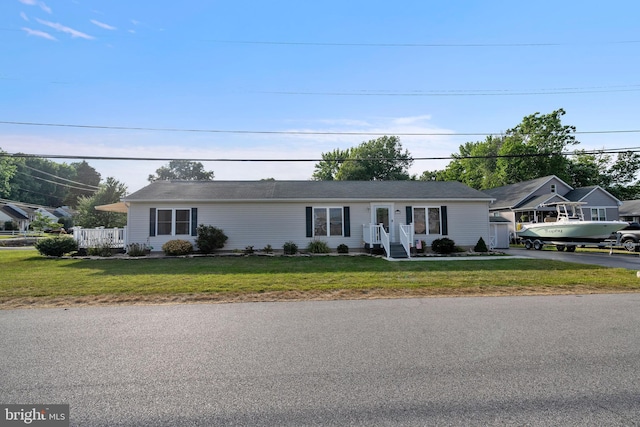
(537, 245)
(528, 244)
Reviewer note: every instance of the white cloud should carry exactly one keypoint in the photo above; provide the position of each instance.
(24, 16)
(277, 146)
(103, 25)
(59, 27)
(38, 3)
(37, 33)
(411, 120)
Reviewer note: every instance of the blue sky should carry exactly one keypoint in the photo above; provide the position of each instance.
(332, 66)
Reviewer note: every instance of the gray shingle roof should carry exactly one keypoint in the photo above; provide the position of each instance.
(578, 194)
(630, 208)
(304, 190)
(509, 196)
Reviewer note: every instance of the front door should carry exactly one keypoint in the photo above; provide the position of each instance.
(382, 215)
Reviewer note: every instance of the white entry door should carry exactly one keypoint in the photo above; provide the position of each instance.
(383, 214)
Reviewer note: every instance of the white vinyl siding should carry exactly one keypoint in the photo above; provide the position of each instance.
(273, 223)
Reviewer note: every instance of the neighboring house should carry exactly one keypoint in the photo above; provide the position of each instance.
(524, 201)
(630, 211)
(23, 215)
(261, 213)
(20, 216)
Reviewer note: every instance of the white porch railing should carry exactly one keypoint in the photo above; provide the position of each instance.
(371, 234)
(96, 237)
(406, 237)
(384, 239)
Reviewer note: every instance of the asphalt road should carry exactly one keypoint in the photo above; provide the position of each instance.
(539, 361)
(619, 260)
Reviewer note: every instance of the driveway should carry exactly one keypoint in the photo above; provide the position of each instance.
(629, 260)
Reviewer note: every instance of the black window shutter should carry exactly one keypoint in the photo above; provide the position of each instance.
(152, 222)
(194, 221)
(309, 212)
(409, 211)
(445, 225)
(347, 221)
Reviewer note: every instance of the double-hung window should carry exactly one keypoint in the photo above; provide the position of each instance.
(427, 220)
(327, 221)
(173, 222)
(598, 214)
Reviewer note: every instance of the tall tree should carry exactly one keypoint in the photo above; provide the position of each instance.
(35, 181)
(111, 191)
(532, 149)
(87, 175)
(182, 170)
(7, 171)
(378, 159)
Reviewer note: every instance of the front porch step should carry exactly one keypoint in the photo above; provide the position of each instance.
(396, 250)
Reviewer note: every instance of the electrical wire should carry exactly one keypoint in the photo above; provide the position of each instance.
(451, 157)
(283, 132)
(89, 186)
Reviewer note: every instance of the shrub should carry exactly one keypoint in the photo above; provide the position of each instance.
(290, 248)
(177, 247)
(481, 246)
(56, 246)
(443, 246)
(137, 249)
(267, 249)
(248, 250)
(210, 238)
(318, 247)
(343, 249)
(103, 250)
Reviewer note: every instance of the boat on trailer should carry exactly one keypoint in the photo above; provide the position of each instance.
(568, 229)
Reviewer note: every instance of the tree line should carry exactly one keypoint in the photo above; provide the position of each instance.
(532, 149)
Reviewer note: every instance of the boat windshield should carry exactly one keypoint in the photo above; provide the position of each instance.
(570, 211)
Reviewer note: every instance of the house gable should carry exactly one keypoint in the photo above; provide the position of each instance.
(515, 195)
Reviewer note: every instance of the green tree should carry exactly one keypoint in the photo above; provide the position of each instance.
(111, 191)
(42, 222)
(378, 159)
(7, 171)
(329, 166)
(35, 181)
(87, 175)
(538, 142)
(182, 170)
(532, 149)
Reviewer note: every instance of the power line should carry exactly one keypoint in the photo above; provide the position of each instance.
(280, 132)
(451, 157)
(438, 45)
(485, 92)
(53, 182)
(88, 186)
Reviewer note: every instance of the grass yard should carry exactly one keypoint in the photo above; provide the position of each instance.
(28, 279)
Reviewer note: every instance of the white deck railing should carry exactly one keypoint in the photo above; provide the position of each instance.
(97, 237)
(371, 234)
(384, 239)
(406, 237)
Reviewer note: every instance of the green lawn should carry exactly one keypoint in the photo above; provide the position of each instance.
(27, 278)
